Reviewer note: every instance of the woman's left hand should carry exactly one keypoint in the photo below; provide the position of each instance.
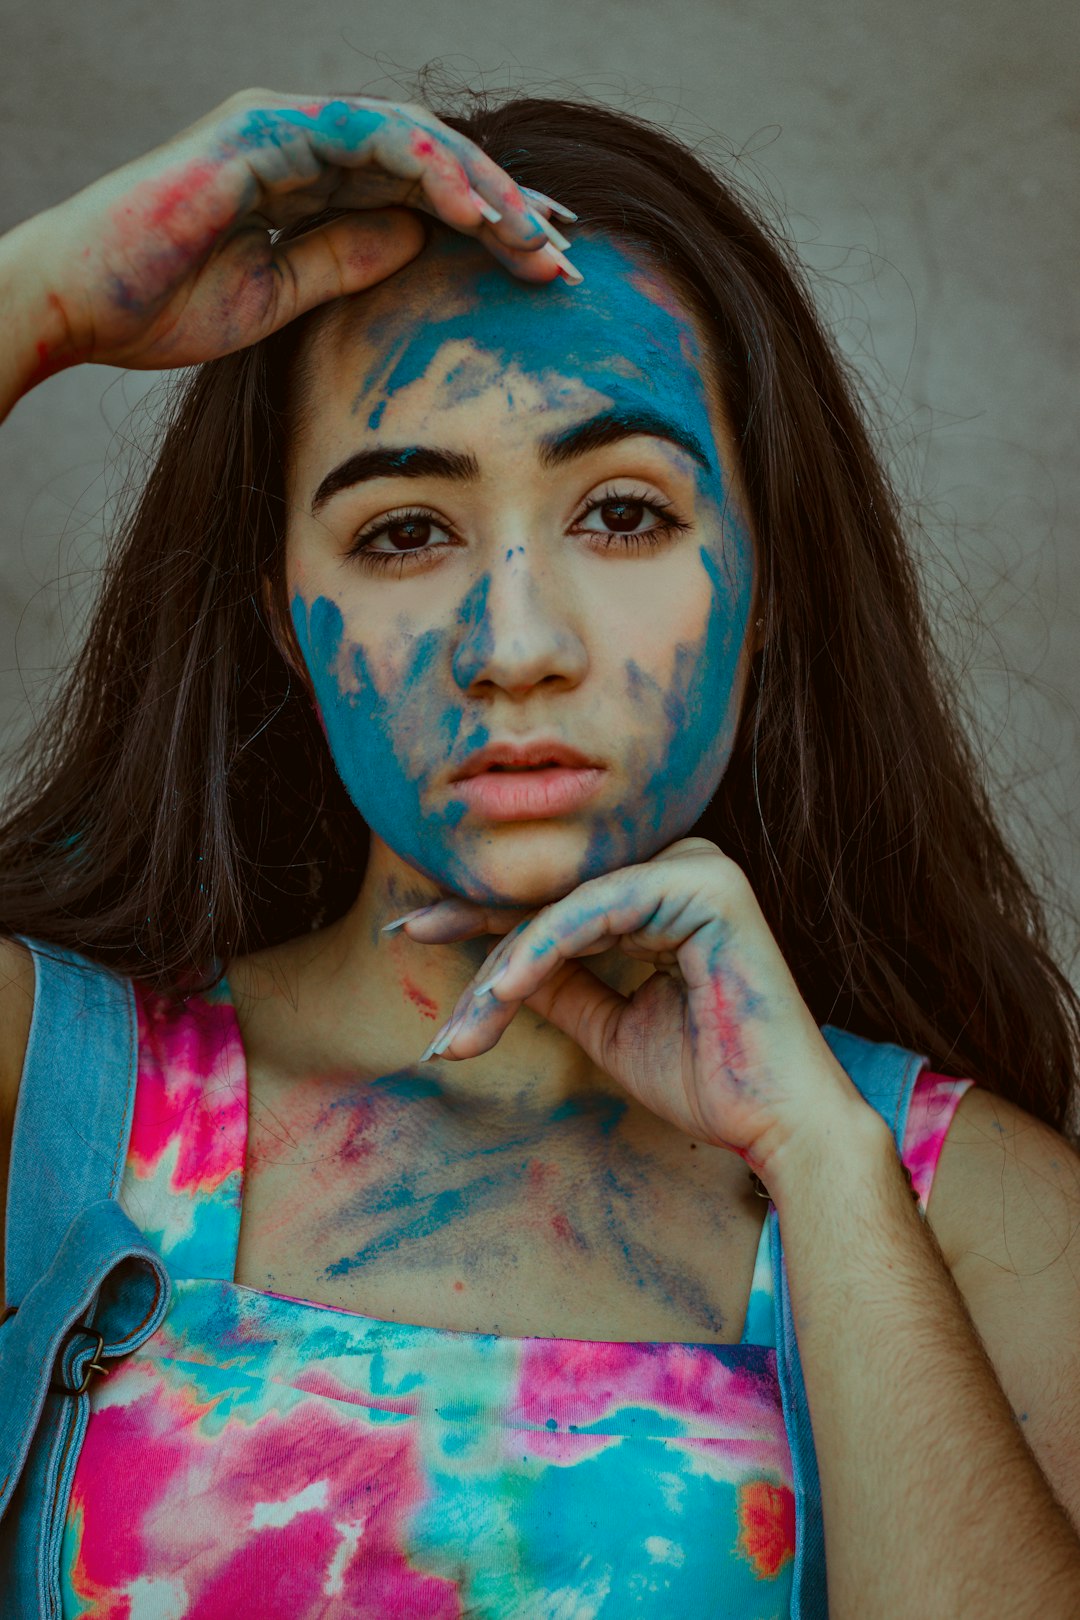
(718, 1040)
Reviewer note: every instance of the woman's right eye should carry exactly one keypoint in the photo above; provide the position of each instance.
(407, 535)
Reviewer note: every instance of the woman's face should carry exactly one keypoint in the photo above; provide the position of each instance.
(553, 551)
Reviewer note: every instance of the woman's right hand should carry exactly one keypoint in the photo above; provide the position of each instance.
(168, 261)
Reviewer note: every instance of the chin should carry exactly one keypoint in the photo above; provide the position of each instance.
(537, 864)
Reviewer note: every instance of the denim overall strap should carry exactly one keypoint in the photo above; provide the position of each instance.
(82, 1281)
(885, 1075)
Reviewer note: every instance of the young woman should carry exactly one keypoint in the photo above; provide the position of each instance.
(509, 774)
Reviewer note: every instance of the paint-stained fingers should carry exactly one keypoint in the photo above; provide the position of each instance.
(470, 192)
(546, 265)
(524, 222)
(548, 205)
(347, 256)
(424, 164)
(454, 919)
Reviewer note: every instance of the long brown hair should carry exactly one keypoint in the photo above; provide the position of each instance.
(180, 806)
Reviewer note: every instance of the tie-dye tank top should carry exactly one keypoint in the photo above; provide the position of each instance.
(262, 1456)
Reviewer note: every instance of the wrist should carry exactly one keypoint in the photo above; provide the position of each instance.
(839, 1145)
(35, 337)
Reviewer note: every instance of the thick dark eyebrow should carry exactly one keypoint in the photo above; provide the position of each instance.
(422, 461)
(414, 461)
(611, 426)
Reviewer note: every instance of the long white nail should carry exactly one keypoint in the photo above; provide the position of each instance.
(492, 215)
(556, 207)
(446, 1034)
(492, 978)
(399, 922)
(438, 1042)
(567, 269)
(551, 233)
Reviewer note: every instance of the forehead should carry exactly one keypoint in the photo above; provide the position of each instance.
(454, 324)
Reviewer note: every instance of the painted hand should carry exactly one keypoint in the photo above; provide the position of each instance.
(718, 1040)
(169, 261)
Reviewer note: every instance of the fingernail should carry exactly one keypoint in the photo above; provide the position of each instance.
(565, 267)
(556, 208)
(435, 1044)
(489, 213)
(398, 922)
(492, 978)
(550, 232)
(445, 1035)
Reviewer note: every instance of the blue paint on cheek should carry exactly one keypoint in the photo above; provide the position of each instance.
(694, 714)
(698, 705)
(380, 738)
(475, 634)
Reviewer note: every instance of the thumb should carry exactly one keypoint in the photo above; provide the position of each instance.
(348, 255)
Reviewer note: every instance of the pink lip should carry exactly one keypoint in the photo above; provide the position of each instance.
(553, 790)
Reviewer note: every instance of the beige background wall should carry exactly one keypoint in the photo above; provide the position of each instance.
(923, 153)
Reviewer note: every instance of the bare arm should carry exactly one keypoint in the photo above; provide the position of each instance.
(933, 1502)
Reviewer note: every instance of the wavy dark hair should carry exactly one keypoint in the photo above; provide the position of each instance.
(179, 804)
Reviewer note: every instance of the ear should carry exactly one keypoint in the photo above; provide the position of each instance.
(283, 633)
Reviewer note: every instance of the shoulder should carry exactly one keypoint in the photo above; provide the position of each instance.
(1001, 1172)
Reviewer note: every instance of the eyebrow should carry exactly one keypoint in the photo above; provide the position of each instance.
(424, 461)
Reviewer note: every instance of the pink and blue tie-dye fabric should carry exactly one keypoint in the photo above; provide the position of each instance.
(264, 1456)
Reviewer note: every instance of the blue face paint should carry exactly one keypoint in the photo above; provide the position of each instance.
(619, 333)
(618, 340)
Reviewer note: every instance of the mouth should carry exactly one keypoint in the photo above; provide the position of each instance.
(518, 779)
(529, 793)
(515, 757)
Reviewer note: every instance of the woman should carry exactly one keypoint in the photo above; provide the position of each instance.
(506, 596)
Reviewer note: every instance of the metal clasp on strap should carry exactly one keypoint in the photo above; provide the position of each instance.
(92, 1366)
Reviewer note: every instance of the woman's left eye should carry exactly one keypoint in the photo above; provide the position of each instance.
(623, 516)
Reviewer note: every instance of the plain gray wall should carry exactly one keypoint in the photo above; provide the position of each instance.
(923, 155)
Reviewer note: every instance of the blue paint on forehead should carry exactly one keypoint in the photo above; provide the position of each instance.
(618, 333)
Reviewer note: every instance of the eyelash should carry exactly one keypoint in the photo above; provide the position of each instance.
(377, 561)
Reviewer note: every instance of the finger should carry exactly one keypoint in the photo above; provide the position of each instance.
(463, 186)
(347, 256)
(441, 171)
(573, 999)
(545, 265)
(467, 1004)
(548, 205)
(457, 919)
(597, 915)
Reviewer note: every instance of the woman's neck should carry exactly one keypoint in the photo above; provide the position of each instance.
(352, 1000)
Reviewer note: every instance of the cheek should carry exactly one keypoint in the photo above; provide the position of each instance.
(683, 688)
(381, 706)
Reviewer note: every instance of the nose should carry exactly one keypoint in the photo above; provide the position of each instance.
(517, 628)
